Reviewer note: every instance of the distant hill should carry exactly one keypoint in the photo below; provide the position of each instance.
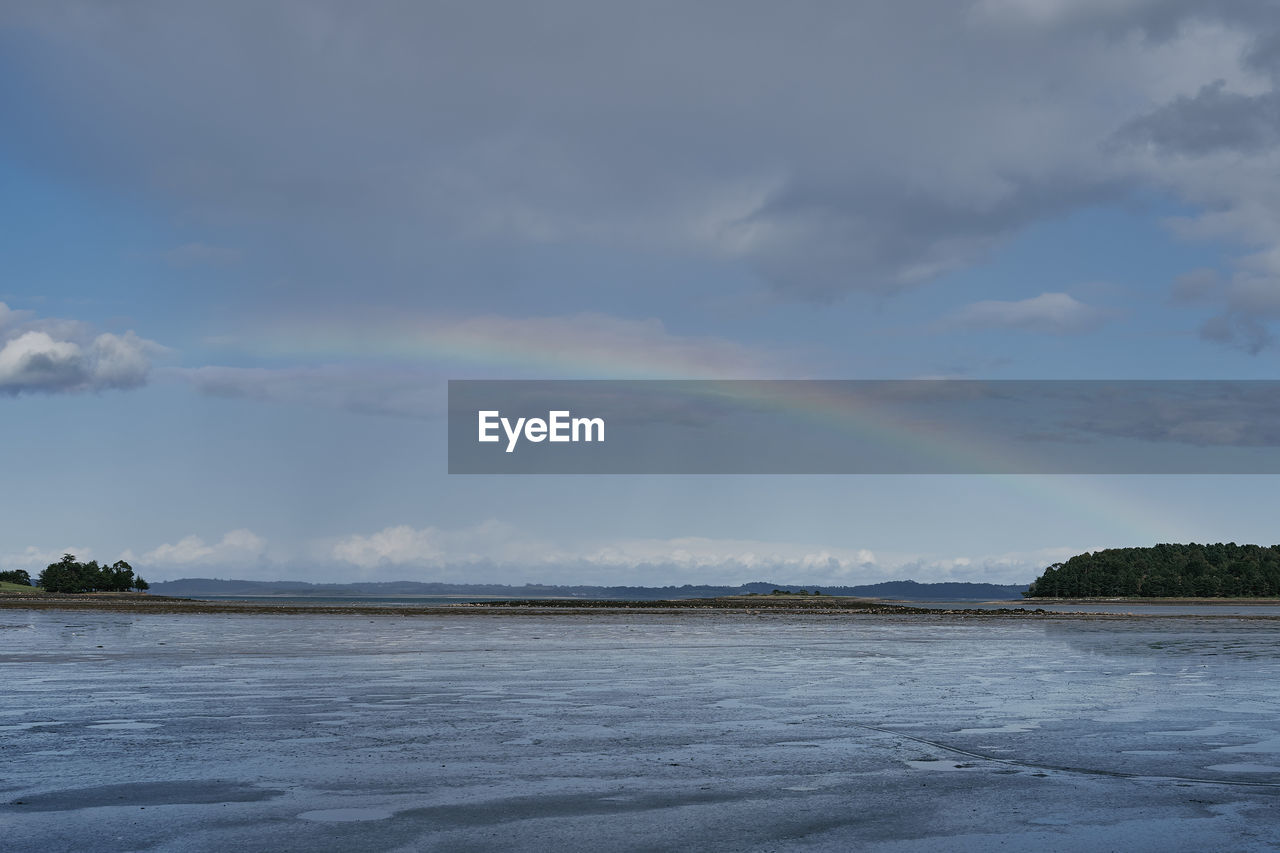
(892, 589)
(1202, 571)
(952, 591)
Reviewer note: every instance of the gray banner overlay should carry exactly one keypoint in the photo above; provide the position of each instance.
(864, 427)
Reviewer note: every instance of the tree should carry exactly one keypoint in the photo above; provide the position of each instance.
(121, 576)
(18, 576)
(1165, 570)
(67, 575)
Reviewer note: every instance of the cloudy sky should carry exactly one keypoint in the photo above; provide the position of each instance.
(244, 245)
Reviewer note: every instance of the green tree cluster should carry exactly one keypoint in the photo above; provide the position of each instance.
(18, 576)
(67, 575)
(1200, 571)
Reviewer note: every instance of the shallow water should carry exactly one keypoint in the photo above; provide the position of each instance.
(628, 731)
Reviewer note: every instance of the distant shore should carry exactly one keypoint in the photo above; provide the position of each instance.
(746, 605)
(144, 603)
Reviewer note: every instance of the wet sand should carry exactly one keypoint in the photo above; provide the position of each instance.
(636, 730)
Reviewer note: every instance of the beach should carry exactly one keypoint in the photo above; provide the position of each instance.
(637, 731)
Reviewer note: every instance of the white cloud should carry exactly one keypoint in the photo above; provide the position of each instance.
(1009, 567)
(63, 356)
(119, 361)
(34, 360)
(699, 553)
(499, 543)
(34, 559)
(429, 547)
(407, 552)
(497, 552)
(236, 548)
(1052, 313)
(399, 545)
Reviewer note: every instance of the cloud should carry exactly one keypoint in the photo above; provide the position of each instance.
(1010, 567)
(694, 554)
(431, 547)
(9, 317)
(818, 242)
(1217, 148)
(1052, 313)
(35, 559)
(493, 544)
(847, 149)
(1238, 330)
(1211, 121)
(62, 356)
(842, 149)
(495, 549)
(237, 548)
(398, 545)
(1249, 300)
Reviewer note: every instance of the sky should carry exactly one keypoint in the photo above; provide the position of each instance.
(243, 246)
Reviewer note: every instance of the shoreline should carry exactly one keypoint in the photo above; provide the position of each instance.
(746, 606)
(142, 603)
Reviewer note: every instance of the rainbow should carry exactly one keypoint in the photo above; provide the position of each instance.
(583, 346)
(588, 346)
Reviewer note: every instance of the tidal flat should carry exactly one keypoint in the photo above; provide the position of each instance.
(637, 731)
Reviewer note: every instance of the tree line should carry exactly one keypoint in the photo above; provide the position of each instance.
(67, 575)
(1201, 571)
(18, 576)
